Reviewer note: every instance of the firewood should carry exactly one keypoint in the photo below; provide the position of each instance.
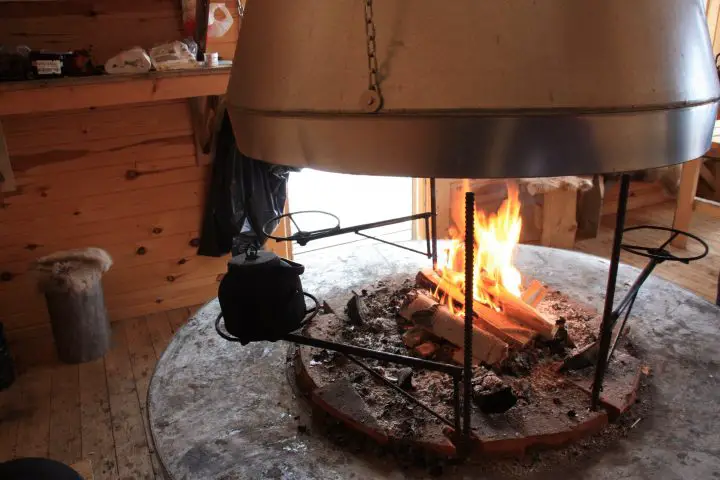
(425, 312)
(534, 293)
(517, 324)
(525, 314)
(488, 319)
(458, 356)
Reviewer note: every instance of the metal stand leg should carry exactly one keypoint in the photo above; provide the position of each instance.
(469, 273)
(606, 328)
(433, 213)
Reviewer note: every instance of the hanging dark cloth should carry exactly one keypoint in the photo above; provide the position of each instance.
(244, 194)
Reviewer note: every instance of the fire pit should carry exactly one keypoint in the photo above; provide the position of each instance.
(539, 365)
(527, 353)
(520, 400)
(219, 410)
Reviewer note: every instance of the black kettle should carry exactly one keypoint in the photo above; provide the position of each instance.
(261, 298)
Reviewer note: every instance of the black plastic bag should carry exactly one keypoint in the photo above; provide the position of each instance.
(244, 195)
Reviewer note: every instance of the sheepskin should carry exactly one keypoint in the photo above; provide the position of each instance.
(72, 270)
(537, 186)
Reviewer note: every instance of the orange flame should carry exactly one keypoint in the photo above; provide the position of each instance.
(496, 236)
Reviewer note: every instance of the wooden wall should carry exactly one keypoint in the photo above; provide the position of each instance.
(124, 179)
(105, 27)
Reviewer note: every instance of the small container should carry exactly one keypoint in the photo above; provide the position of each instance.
(212, 59)
(49, 64)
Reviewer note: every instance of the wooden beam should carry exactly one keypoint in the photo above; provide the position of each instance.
(685, 199)
(109, 90)
(282, 249)
(707, 207)
(7, 177)
(589, 208)
(205, 114)
(420, 204)
(712, 10)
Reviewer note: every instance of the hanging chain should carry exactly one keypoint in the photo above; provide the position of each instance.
(371, 99)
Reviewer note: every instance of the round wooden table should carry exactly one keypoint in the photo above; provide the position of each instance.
(222, 411)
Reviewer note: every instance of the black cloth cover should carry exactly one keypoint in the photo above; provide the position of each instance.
(244, 194)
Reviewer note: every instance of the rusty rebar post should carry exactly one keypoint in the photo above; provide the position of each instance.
(433, 211)
(469, 261)
(606, 328)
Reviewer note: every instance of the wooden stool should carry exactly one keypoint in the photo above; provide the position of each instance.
(72, 285)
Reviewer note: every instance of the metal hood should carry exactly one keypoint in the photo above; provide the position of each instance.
(470, 88)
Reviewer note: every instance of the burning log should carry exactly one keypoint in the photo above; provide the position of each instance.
(425, 312)
(516, 325)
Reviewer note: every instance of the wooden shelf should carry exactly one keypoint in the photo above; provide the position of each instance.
(37, 96)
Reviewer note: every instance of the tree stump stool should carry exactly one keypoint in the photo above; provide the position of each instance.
(72, 284)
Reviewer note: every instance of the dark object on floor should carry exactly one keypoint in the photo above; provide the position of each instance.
(357, 311)
(582, 358)
(7, 367)
(261, 297)
(405, 376)
(244, 194)
(72, 284)
(491, 394)
(37, 469)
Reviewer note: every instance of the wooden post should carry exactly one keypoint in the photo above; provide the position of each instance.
(685, 199)
(559, 218)
(590, 205)
(7, 178)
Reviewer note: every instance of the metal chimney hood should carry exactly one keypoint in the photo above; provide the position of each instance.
(474, 88)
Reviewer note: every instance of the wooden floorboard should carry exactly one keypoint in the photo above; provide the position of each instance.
(161, 332)
(11, 412)
(65, 426)
(143, 360)
(700, 277)
(131, 446)
(34, 429)
(98, 442)
(104, 401)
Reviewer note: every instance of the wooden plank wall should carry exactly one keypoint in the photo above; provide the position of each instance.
(105, 27)
(124, 179)
(713, 14)
(225, 45)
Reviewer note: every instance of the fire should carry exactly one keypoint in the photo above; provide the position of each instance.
(496, 236)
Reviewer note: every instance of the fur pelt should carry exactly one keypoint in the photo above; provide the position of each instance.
(537, 186)
(72, 270)
(541, 185)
